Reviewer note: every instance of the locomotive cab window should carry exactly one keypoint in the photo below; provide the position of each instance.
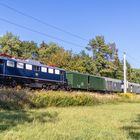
(20, 65)
(10, 63)
(57, 72)
(50, 70)
(62, 73)
(36, 68)
(28, 67)
(43, 69)
(1, 62)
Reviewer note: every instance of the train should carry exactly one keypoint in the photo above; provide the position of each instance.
(97, 83)
(34, 74)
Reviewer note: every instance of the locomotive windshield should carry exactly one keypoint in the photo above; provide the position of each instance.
(1, 61)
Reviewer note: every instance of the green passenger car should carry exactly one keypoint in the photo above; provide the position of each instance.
(97, 83)
(77, 80)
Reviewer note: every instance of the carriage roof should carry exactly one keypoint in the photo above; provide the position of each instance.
(28, 61)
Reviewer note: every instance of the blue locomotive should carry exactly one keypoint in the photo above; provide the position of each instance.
(30, 73)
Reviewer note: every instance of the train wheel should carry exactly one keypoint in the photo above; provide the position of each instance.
(44, 87)
(14, 83)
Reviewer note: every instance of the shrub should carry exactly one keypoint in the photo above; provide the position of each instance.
(22, 99)
(127, 95)
(63, 99)
(15, 99)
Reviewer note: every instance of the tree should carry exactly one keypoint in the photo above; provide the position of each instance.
(129, 69)
(46, 50)
(101, 56)
(28, 49)
(52, 54)
(135, 75)
(83, 63)
(10, 44)
(43, 50)
(117, 65)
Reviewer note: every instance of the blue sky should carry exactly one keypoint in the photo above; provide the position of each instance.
(117, 20)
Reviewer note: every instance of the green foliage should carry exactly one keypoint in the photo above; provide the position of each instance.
(10, 44)
(28, 48)
(135, 75)
(53, 54)
(105, 58)
(104, 62)
(83, 63)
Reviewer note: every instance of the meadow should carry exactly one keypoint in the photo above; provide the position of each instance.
(59, 115)
(101, 122)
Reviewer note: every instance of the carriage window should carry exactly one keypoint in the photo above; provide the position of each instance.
(36, 68)
(10, 63)
(43, 69)
(57, 71)
(50, 70)
(115, 84)
(28, 67)
(20, 65)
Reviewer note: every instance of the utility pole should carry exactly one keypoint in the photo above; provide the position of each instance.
(125, 76)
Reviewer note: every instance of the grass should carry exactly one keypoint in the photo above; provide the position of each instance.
(102, 122)
(59, 115)
(11, 99)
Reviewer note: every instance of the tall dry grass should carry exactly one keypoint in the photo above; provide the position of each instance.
(22, 99)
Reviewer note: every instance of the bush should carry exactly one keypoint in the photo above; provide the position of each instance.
(127, 95)
(14, 99)
(22, 99)
(63, 99)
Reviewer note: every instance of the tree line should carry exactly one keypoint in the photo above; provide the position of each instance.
(104, 60)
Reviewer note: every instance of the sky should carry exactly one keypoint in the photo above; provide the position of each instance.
(117, 20)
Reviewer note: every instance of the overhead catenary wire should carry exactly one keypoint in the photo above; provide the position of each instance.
(135, 63)
(130, 57)
(134, 59)
(43, 22)
(41, 33)
(49, 25)
(44, 34)
(56, 38)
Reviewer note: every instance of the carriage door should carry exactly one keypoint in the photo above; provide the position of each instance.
(1, 66)
(62, 76)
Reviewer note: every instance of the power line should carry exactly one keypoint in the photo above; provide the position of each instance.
(43, 22)
(41, 33)
(128, 55)
(131, 57)
(56, 38)
(134, 59)
(49, 25)
(44, 34)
